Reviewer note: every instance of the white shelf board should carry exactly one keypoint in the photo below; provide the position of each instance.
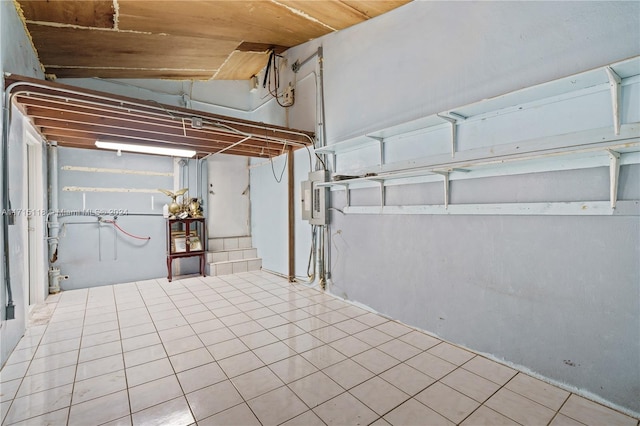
(567, 160)
(595, 79)
(573, 84)
(576, 208)
(555, 145)
(422, 123)
(346, 145)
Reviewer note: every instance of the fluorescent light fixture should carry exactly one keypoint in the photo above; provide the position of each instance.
(146, 149)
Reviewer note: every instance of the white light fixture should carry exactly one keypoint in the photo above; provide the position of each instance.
(146, 149)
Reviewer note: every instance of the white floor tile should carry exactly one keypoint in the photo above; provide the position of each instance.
(256, 382)
(277, 406)
(213, 399)
(44, 381)
(96, 387)
(201, 377)
(149, 371)
(98, 367)
(175, 412)
(316, 389)
(144, 355)
(345, 409)
(39, 403)
(153, 393)
(166, 352)
(191, 359)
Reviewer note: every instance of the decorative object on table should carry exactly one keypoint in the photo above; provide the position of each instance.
(174, 207)
(195, 210)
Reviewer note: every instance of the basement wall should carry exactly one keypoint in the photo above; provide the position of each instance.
(16, 56)
(555, 296)
(93, 252)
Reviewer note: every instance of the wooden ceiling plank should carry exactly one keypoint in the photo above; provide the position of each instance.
(77, 47)
(159, 128)
(59, 105)
(90, 113)
(138, 136)
(341, 14)
(84, 13)
(199, 154)
(373, 8)
(179, 39)
(106, 131)
(124, 103)
(254, 21)
(242, 66)
(128, 113)
(163, 74)
(87, 140)
(247, 46)
(37, 104)
(334, 13)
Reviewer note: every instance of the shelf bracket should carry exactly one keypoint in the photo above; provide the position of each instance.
(454, 132)
(382, 191)
(615, 84)
(614, 173)
(445, 175)
(347, 193)
(381, 142)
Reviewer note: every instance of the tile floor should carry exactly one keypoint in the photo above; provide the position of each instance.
(251, 349)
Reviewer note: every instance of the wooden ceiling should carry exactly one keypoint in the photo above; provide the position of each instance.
(77, 118)
(189, 40)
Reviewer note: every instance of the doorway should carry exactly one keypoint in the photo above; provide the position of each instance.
(228, 196)
(35, 268)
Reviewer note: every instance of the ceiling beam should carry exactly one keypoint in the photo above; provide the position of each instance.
(91, 115)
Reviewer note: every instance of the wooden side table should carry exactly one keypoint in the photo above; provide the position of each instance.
(186, 238)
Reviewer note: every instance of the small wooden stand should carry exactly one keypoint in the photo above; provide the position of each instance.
(185, 238)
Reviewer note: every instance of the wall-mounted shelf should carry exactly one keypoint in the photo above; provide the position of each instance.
(604, 155)
(610, 78)
(611, 147)
(576, 208)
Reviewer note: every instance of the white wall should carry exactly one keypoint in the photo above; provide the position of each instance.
(427, 57)
(269, 214)
(16, 56)
(94, 253)
(536, 291)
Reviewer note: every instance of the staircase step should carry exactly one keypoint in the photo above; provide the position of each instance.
(229, 243)
(233, 266)
(236, 254)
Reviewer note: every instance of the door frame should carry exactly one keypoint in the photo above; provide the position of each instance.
(236, 203)
(34, 262)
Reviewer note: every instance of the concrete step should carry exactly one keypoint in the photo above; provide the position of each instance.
(229, 243)
(233, 266)
(236, 254)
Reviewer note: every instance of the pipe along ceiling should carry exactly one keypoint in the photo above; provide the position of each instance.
(77, 118)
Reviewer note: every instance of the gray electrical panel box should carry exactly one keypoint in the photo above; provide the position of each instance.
(314, 198)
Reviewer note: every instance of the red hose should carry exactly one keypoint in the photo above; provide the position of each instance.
(113, 222)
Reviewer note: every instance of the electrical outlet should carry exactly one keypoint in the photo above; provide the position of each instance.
(196, 122)
(287, 98)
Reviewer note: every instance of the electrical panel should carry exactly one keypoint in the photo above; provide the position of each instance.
(314, 198)
(287, 96)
